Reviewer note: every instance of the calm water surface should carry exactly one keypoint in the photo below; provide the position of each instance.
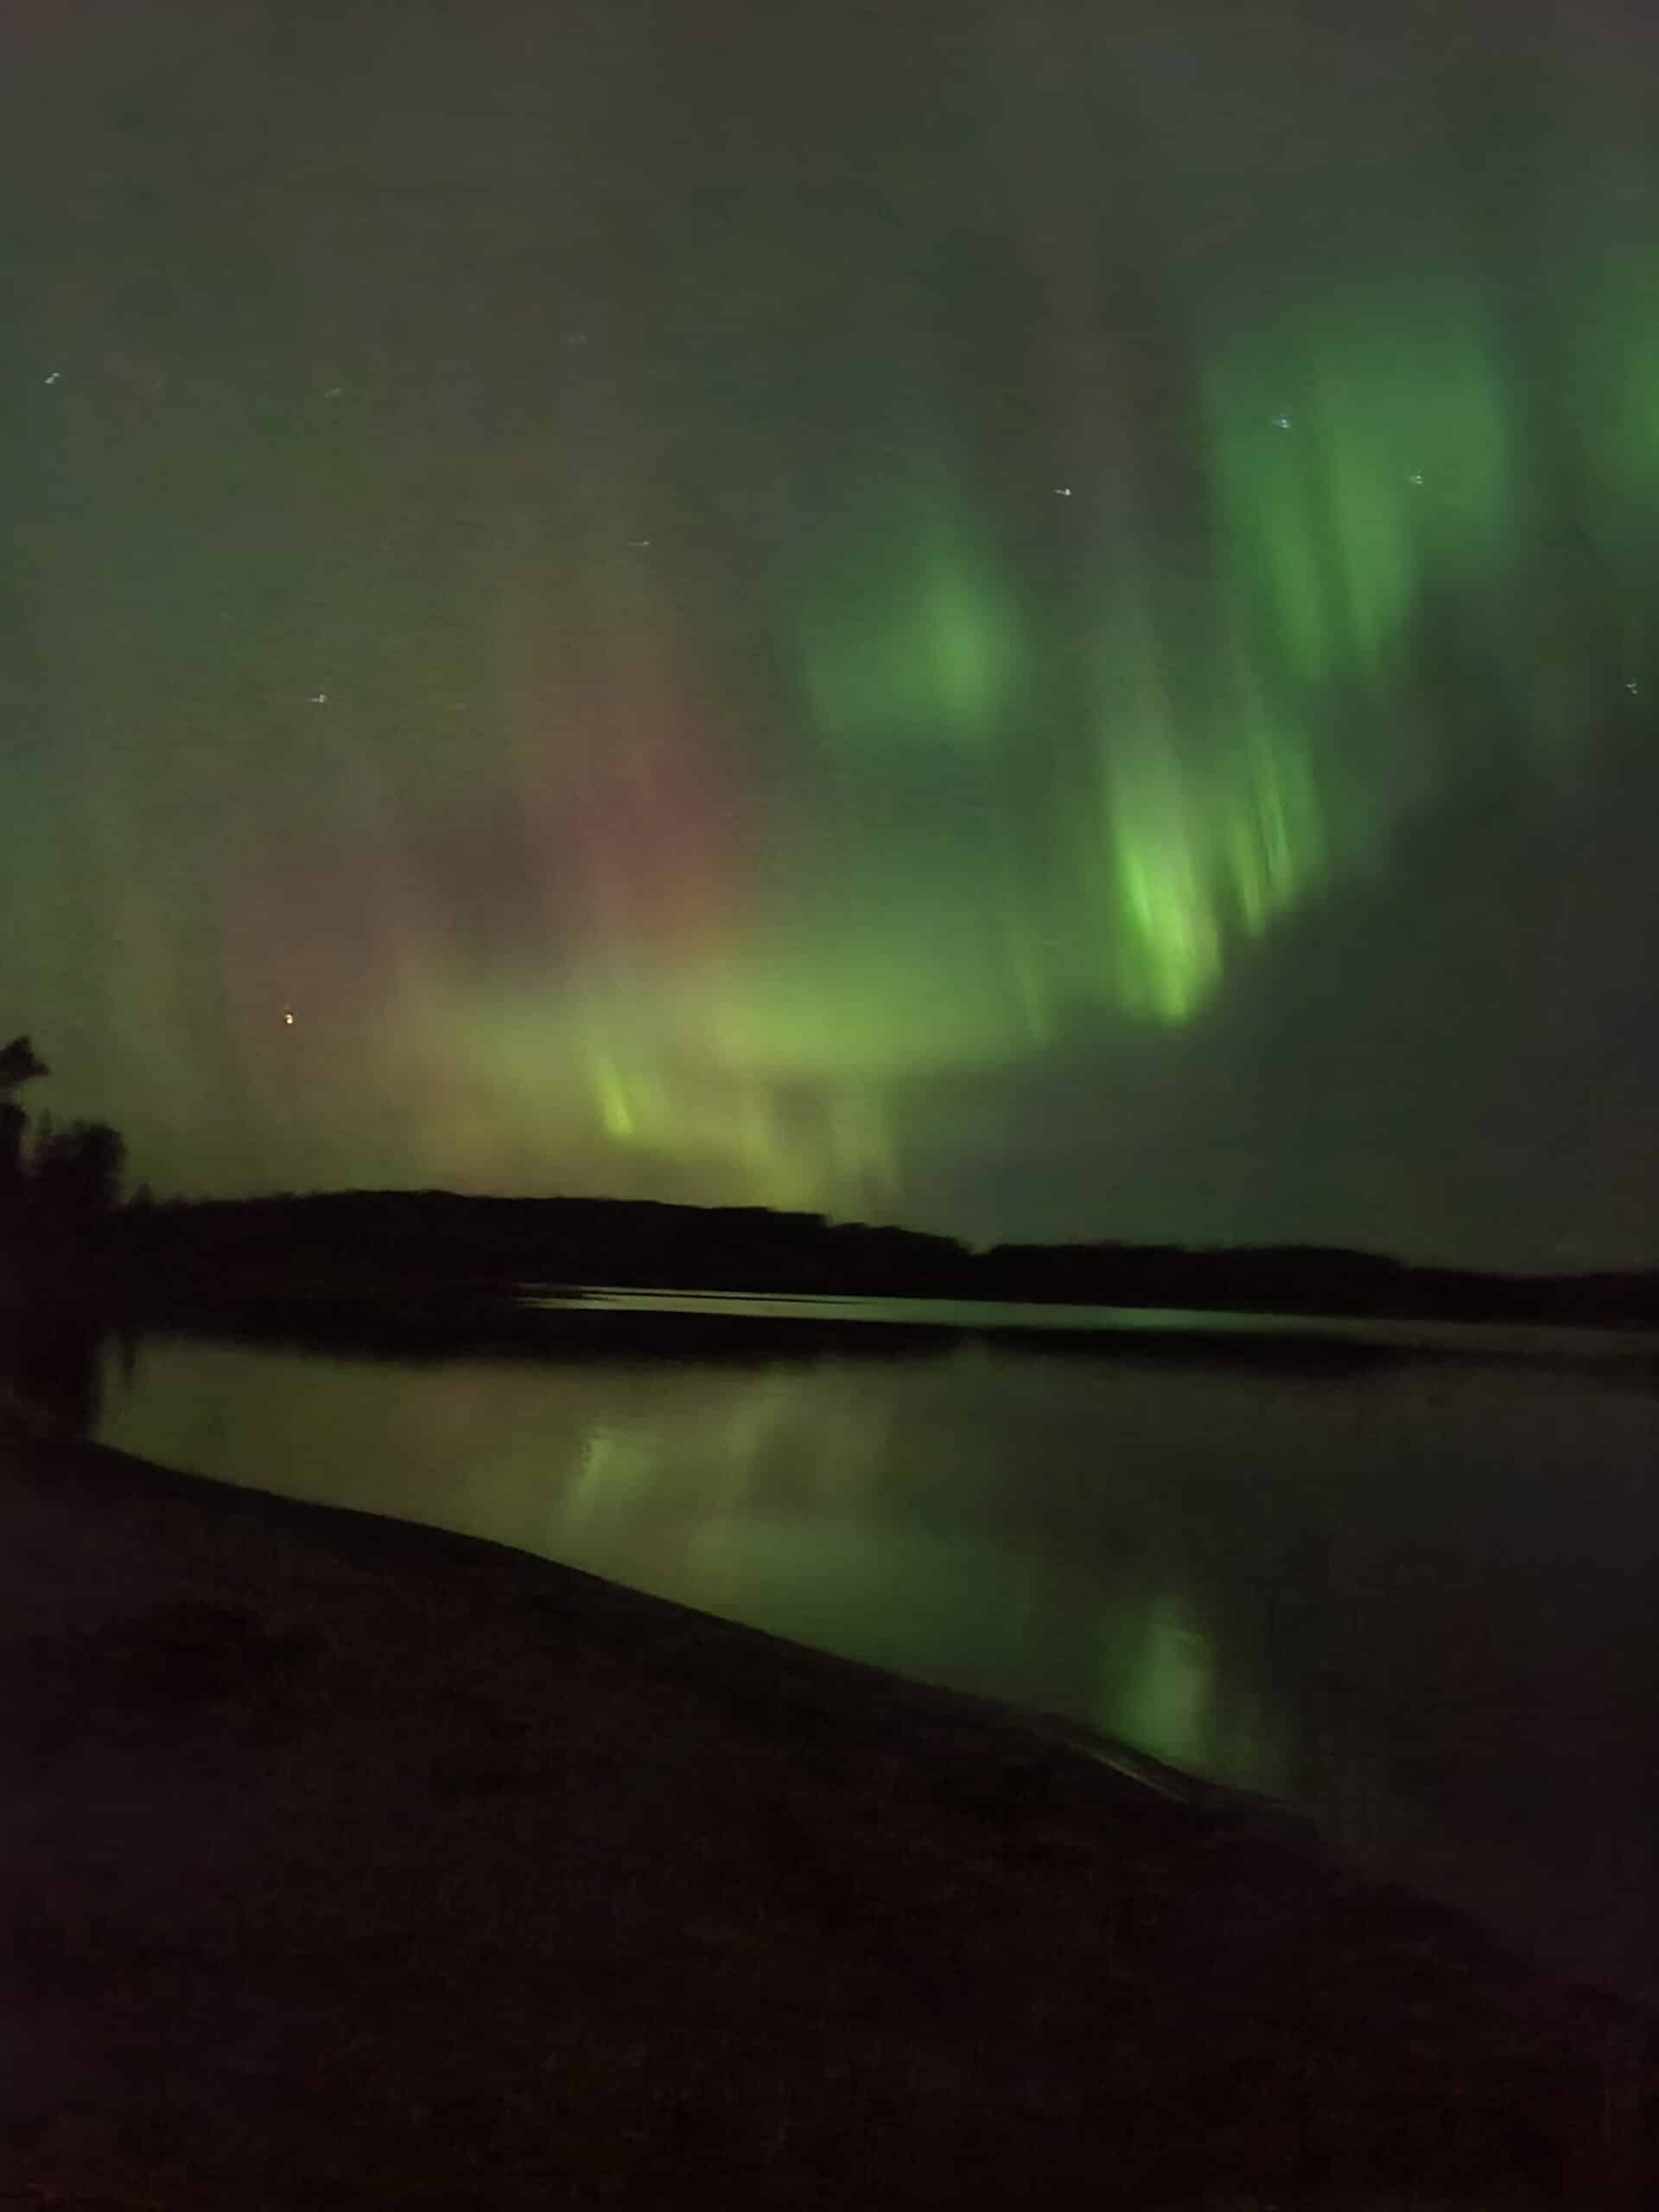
(1414, 1598)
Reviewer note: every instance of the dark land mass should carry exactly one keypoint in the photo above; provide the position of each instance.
(352, 1864)
(437, 1241)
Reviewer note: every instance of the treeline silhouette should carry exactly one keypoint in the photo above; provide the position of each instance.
(66, 1233)
(60, 1186)
(59, 1203)
(436, 1240)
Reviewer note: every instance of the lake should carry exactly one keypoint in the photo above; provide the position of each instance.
(1410, 1594)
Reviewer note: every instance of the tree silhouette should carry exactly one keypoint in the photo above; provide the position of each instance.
(74, 1176)
(19, 1063)
(66, 1188)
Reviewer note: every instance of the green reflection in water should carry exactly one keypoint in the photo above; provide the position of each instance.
(853, 1510)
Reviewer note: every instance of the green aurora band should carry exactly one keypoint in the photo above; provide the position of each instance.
(898, 600)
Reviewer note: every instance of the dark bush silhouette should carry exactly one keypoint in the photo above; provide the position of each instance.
(51, 1365)
(74, 1179)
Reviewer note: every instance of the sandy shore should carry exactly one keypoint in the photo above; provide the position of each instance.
(352, 1864)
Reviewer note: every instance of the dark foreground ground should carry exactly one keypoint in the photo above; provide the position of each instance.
(348, 1865)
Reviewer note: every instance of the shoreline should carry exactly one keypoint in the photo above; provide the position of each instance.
(418, 1317)
(365, 1864)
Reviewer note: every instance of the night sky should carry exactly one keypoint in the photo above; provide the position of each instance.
(1028, 618)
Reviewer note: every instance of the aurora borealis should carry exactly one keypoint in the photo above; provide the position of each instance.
(1030, 619)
